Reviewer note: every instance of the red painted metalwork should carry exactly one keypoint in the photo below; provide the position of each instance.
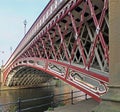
(33, 52)
(65, 47)
(44, 47)
(99, 34)
(53, 49)
(62, 43)
(29, 55)
(38, 51)
(77, 32)
(66, 75)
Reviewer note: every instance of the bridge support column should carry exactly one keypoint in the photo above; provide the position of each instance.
(111, 101)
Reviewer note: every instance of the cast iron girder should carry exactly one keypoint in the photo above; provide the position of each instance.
(28, 53)
(66, 75)
(98, 32)
(33, 52)
(62, 42)
(77, 32)
(51, 41)
(37, 48)
(44, 47)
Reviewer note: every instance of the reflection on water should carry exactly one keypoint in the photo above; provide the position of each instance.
(13, 95)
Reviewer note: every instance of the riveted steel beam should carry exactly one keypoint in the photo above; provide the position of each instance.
(43, 43)
(99, 35)
(78, 40)
(62, 43)
(53, 49)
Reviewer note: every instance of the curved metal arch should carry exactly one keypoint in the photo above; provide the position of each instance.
(26, 76)
(11, 75)
(67, 72)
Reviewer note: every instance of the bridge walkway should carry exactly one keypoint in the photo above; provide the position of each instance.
(83, 106)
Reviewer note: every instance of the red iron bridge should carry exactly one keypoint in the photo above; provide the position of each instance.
(69, 40)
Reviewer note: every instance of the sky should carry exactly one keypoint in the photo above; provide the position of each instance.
(12, 16)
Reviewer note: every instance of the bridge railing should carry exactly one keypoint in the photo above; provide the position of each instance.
(54, 101)
(49, 9)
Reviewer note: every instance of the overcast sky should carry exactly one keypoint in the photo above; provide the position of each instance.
(12, 15)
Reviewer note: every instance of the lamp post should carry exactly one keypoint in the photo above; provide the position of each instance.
(2, 52)
(1, 69)
(11, 50)
(25, 23)
(2, 62)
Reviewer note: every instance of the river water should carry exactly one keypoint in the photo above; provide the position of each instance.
(13, 95)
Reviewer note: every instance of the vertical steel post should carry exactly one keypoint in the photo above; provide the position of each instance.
(86, 97)
(52, 103)
(72, 97)
(19, 105)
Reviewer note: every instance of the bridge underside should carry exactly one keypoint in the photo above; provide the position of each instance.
(26, 77)
(72, 44)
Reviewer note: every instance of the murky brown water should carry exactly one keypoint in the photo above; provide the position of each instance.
(13, 95)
